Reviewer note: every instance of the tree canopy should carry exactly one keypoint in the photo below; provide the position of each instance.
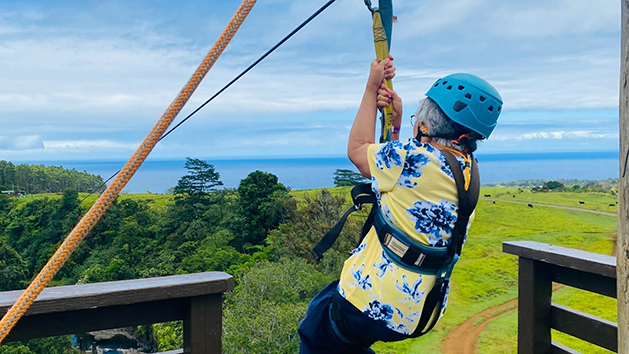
(261, 199)
(343, 177)
(201, 179)
(45, 179)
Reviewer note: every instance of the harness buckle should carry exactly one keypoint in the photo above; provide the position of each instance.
(399, 248)
(420, 259)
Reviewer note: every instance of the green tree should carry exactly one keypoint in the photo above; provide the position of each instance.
(262, 203)
(7, 174)
(201, 179)
(14, 348)
(343, 177)
(263, 312)
(316, 216)
(13, 269)
(52, 345)
(169, 335)
(553, 186)
(40, 178)
(33, 232)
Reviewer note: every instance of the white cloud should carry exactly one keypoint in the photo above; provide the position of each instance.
(427, 17)
(88, 145)
(507, 19)
(543, 19)
(555, 135)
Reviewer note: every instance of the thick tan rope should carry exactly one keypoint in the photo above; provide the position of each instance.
(87, 222)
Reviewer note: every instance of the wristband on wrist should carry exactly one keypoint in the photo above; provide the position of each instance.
(396, 129)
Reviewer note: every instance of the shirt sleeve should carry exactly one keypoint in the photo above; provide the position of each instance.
(386, 162)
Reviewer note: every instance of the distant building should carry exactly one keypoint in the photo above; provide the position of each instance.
(12, 193)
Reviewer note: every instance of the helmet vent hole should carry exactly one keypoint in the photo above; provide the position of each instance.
(449, 87)
(468, 96)
(461, 87)
(458, 106)
(444, 83)
(436, 84)
(482, 98)
(491, 108)
(499, 108)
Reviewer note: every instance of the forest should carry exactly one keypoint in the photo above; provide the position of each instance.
(257, 232)
(29, 179)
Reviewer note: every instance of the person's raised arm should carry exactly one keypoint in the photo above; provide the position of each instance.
(364, 128)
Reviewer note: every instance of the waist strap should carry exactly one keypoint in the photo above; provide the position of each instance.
(408, 253)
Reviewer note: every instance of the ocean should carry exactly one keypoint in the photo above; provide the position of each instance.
(157, 176)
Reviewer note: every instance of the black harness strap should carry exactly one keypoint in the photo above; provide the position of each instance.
(467, 199)
(340, 326)
(467, 202)
(361, 194)
(434, 300)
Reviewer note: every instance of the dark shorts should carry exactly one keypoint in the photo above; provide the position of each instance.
(317, 333)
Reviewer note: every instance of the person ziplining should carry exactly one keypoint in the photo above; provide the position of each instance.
(422, 203)
(395, 284)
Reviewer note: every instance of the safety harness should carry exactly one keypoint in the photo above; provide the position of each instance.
(405, 252)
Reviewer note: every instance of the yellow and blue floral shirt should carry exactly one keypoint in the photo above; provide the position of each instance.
(417, 193)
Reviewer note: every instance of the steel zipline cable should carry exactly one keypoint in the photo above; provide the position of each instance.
(254, 64)
(89, 220)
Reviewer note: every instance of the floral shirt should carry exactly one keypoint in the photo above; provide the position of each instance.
(416, 190)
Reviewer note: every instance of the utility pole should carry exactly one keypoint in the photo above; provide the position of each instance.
(622, 256)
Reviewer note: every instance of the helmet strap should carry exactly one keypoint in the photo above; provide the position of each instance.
(423, 132)
(462, 139)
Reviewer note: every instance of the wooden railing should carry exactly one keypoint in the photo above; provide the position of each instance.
(539, 266)
(194, 298)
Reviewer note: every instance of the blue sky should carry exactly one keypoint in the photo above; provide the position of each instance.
(85, 80)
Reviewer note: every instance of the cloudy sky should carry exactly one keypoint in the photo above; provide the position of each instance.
(85, 80)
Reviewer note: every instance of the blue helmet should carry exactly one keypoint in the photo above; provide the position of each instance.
(468, 100)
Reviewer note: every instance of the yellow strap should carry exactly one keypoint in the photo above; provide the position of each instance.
(382, 52)
(89, 220)
(468, 164)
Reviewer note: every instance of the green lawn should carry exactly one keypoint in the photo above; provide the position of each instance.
(158, 201)
(593, 201)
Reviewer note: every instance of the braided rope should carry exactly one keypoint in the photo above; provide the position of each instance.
(87, 222)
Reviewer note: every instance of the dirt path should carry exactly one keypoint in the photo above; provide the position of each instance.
(462, 339)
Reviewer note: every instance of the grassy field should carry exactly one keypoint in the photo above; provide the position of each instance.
(593, 201)
(158, 201)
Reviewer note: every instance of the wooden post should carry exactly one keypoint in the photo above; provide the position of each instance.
(623, 189)
(534, 295)
(202, 326)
